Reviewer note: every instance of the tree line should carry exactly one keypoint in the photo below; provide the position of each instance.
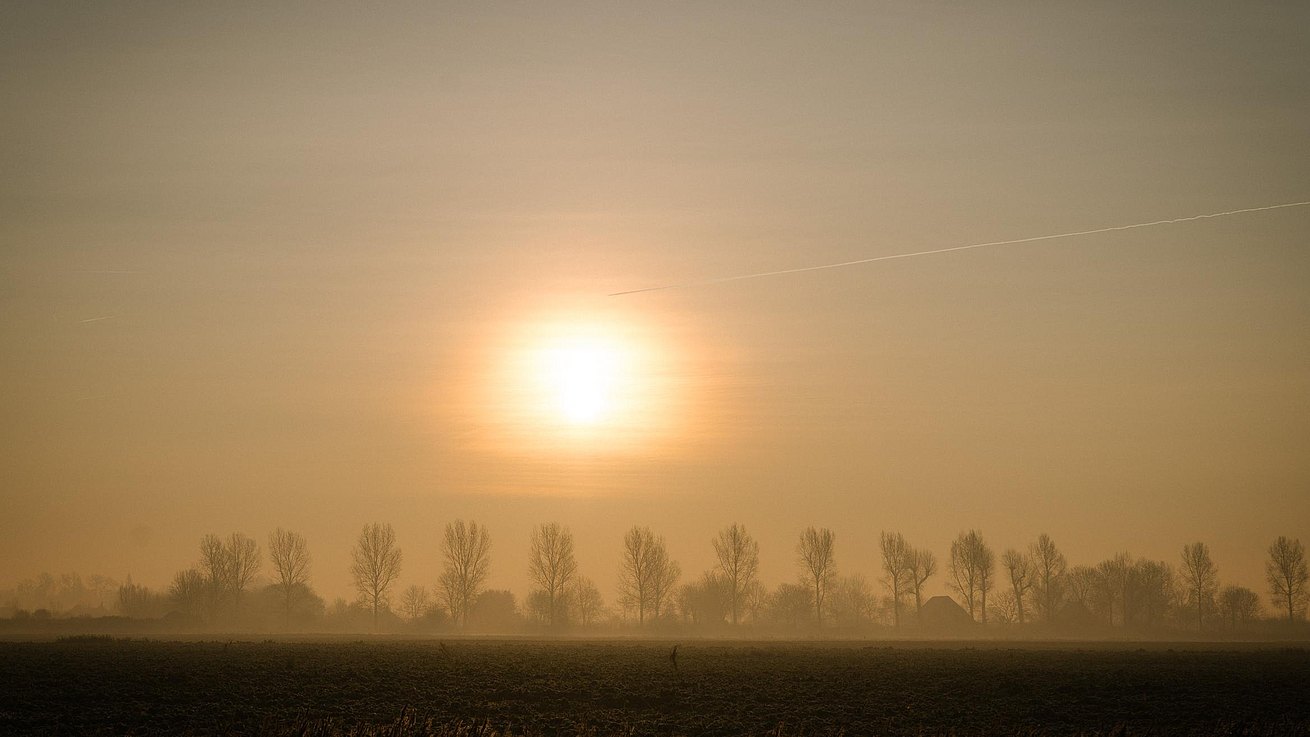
(1034, 585)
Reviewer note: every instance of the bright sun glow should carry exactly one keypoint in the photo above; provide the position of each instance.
(581, 377)
(600, 384)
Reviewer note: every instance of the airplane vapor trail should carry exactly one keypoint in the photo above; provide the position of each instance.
(1012, 241)
(98, 319)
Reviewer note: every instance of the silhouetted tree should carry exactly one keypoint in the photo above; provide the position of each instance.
(1238, 605)
(664, 575)
(853, 600)
(415, 602)
(290, 557)
(1005, 608)
(1200, 577)
(189, 592)
(1153, 592)
(537, 608)
(1048, 573)
(243, 560)
(1086, 586)
(1018, 568)
(897, 568)
(637, 571)
(495, 611)
(756, 599)
(972, 566)
(923, 566)
(214, 568)
(704, 602)
(138, 601)
(375, 566)
(1116, 579)
(816, 555)
(1288, 576)
(551, 565)
(227, 566)
(587, 600)
(790, 604)
(964, 575)
(467, 550)
(739, 562)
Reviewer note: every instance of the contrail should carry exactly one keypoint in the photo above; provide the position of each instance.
(1072, 234)
(98, 319)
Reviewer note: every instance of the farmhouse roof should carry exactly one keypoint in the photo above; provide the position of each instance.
(943, 612)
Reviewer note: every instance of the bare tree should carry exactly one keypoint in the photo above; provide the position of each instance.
(243, 560)
(897, 563)
(637, 571)
(414, 603)
(1200, 577)
(290, 558)
(704, 602)
(1238, 605)
(1086, 586)
(1288, 576)
(986, 562)
(818, 565)
(790, 604)
(227, 567)
(551, 565)
(647, 575)
(213, 567)
(665, 573)
(853, 600)
(1019, 569)
(1048, 575)
(1154, 587)
(375, 566)
(972, 565)
(1116, 578)
(739, 562)
(587, 599)
(923, 566)
(138, 601)
(757, 598)
(188, 591)
(467, 549)
(1005, 608)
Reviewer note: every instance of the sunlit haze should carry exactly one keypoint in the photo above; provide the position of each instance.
(314, 267)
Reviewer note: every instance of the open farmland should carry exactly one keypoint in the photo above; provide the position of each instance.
(566, 687)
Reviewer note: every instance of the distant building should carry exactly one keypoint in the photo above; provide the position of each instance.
(942, 613)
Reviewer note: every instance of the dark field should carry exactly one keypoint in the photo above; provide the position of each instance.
(567, 687)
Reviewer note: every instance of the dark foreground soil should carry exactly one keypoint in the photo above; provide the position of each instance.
(542, 687)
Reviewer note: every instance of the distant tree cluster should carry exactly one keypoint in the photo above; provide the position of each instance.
(1034, 586)
(67, 593)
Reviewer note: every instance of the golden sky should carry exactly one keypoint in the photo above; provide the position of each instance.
(313, 267)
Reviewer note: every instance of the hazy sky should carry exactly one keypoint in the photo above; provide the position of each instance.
(308, 266)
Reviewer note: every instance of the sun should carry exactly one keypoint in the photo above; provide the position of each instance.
(581, 377)
(575, 383)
